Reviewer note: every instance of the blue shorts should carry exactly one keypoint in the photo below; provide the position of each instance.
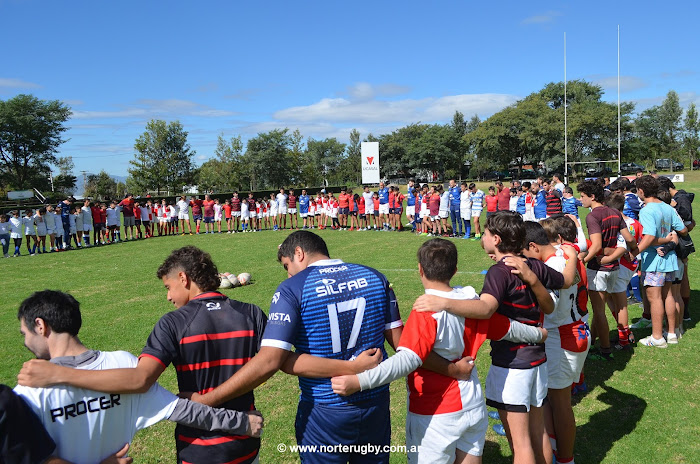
(343, 210)
(208, 219)
(360, 424)
(196, 217)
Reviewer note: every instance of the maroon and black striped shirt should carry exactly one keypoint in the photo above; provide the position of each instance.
(516, 301)
(208, 340)
(608, 222)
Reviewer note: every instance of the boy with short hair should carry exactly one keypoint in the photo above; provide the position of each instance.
(16, 232)
(491, 201)
(465, 209)
(446, 419)
(28, 223)
(477, 197)
(569, 204)
(516, 382)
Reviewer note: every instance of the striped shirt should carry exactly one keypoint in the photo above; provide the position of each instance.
(208, 340)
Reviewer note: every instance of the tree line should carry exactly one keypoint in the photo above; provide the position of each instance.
(528, 132)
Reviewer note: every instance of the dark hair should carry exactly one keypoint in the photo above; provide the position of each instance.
(509, 226)
(526, 185)
(438, 258)
(616, 201)
(535, 233)
(592, 188)
(307, 241)
(566, 228)
(617, 185)
(664, 195)
(472, 185)
(665, 183)
(59, 310)
(513, 190)
(568, 190)
(195, 263)
(649, 185)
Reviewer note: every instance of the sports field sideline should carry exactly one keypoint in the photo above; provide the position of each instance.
(641, 407)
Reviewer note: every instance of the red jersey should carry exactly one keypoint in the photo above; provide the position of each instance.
(392, 200)
(137, 213)
(398, 200)
(343, 200)
(292, 201)
(96, 214)
(361, 205)
(236, 204)
(208, 208)
(196, 207)
(503, 199)
(491, 203)
(434, 204)
(376, 203)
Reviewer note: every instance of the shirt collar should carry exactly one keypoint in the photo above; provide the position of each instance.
(327, 262)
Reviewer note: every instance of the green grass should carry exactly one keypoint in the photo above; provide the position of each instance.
(641, 407)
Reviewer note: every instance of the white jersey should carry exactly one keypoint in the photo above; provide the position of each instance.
(282, 200)
(465, 204)
(564, 299)
(87, 215)
(112, 217)
(15, 227)
(369, 203)
(40, 224)
(50, 220)
(174, 211)
(58, 221)
(79, 221)
(145, 213)
(4, 228)
(217, 211)
(273, 207)
(28, 223)
(88, 426)
(513, 203)
(445, 201)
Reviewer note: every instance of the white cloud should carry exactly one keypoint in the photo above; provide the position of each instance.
(627, 83)
(390, 112)
(17, 83)
(363, 91)
(684, 98)
(546, 17)
(148, 108)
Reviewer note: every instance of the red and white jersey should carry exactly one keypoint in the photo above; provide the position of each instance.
(570, 314)
(451, 337)
(636, 230)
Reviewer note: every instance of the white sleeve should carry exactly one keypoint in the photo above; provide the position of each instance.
(155, 405)
(581, 239)
(400, 365)
(522, 333)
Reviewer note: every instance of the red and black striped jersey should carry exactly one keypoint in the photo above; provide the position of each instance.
(208, 340)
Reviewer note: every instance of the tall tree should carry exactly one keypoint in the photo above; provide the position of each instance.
(350, 169)
(65, 181)
(163, 158)
(30, 135)
(224, 172)
(267, 159)
(670, 114)
(103, 187)
(327, 155)
(691, 141)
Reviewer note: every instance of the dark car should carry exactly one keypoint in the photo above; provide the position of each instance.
(664, 164)
(598, 171)
(631, 168)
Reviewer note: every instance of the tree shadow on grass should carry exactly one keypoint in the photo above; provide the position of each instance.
(595, 438)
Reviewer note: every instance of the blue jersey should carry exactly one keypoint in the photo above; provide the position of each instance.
(332, 310)
(65, 209)
(632, 206)
(540, 205)
(303, 204)
(570, 206)
(455, 196)
(410, 200)
(520, 206)
(383, 196)
(410, 191)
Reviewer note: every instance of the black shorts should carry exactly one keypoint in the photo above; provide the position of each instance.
(138, 222)
(363, 216)
(376, 213)
(99, 226)
(146, 223)
(353, 213)
(392, 210)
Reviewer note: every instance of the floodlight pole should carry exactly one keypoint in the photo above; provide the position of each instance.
(619, 139)
(566, 155)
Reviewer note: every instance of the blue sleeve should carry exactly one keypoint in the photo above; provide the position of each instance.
(578, 203)
(283, 318)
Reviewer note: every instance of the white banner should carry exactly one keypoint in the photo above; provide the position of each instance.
(20, 195)
(370, 162)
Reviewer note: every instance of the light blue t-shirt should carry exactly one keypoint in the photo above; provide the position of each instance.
(658, 219)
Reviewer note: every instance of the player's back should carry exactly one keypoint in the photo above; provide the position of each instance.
(88, 426)
(345, 309)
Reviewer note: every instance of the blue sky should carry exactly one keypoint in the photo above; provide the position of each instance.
(324, 67)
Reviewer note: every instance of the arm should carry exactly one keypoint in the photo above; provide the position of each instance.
(256, 371)
(522, 270)
(482, 308)
(569, 271)
(306, 365)
(392, 336)
(460, 370)
(40, 373)
(523, 333)
(596, 247)
(399, 365)
(204, 417)
(615, 254)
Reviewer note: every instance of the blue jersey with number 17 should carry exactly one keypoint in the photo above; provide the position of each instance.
(332, 310)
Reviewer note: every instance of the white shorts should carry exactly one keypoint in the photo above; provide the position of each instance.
(384, 209)
(282, 210)
(50, 231)
(183, 216)
(369, 209)
(253, 214)
(87, 227)
(424, 213)
(410, 210)
(515, 390)
(266, 214)
(444, 214)
(303, 215)
(435, 218)
(678, 275)
(601, 281)
(476, 212)
(624, 275)
(438, 437)
(292, 211)
(71, 231)
(236, 213)
(163, 220)
(465, 214)
(563, 366)
(273, 212)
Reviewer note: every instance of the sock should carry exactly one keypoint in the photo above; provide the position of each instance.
(624, 335)
(561, 460)
(87, 240)
(197, 228)
(16, 250)
(553, 441)
(469, 231)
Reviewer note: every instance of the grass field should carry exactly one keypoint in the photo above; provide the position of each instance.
(641, 407)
